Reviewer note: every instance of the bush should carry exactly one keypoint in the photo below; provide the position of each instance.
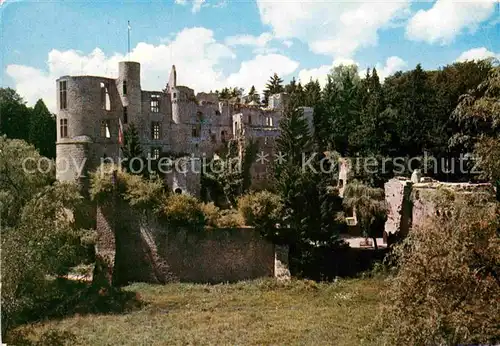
(261, 210)
(182, 211)
(447, 289)
(216, 217)
(230, 219)
(137, 191)
(211, 212)
(47, 241)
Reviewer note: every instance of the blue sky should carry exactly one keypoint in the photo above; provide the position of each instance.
(216, 43)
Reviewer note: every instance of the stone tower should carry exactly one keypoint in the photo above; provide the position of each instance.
(129, 89)
(87, 125)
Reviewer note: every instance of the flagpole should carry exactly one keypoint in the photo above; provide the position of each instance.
(128, 31)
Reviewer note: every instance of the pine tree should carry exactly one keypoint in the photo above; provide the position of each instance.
(273, 86)
(301, 188)
(253, 95)
(42, 130)
(131, 148)
(312, 91)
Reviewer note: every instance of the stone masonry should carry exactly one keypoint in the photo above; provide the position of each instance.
(137, 247)
(411, 203)
(172, 120)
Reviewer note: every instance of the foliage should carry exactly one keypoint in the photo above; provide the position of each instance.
(34, 125)
(46, 241)
(338, 112)
(369, 206)
(137, 191)
(228, 175)
(23, 173)
(262, 210)
(447, 289)
(131, 145)
(308, 214)
(182, 211)
(478, 114)
(253, 95)
(42, 130)
(230, 218)
(216, 217)
(273, 86)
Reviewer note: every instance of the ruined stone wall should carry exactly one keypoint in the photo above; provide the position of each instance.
(397, 196)
(84, 113)
(411, 204)
(138, 248)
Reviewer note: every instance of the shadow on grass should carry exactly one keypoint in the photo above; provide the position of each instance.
(68, 297)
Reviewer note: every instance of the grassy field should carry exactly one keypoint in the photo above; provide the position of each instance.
(259, 312)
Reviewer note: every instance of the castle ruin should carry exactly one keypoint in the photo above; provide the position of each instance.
(172, 120)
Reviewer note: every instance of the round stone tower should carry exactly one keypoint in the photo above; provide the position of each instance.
(87, 125)
(129, 89)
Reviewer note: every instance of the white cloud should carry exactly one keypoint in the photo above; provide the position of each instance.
(447, 19)
(477, 54)
(249, 40)
(260, 43)
(332, 28)
(288, 43)
(257, 71)
(321, 73)
(196, 4)
(197, 55)
(392, 65)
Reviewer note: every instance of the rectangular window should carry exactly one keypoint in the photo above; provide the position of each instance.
(155, 153)
(250, 120)
(105, 100)
(105, 129)
(63, 128)
(125, 115)
(155, 103)
(196, 131)
(155, 130)
(124, 87)
(62, 95)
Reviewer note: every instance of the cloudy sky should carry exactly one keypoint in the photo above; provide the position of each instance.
(217, 43)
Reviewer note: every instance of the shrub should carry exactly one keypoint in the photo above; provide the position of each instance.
(137, 191)
(211, 212)
(447, 289)
(47, 241)
(182, 211)
(261, 210)
(230, 219)
(216, 217)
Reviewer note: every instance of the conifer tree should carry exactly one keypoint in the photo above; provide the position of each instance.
(273, 86)
(42, 130)
(253, 95)
(312, 92)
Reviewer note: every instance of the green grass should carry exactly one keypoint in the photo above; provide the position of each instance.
(261, 312)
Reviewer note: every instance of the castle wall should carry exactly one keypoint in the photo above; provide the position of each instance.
(138, 248)
(163, 116)
(410, 205)
(199, 125)
(85, 111)
(129, 73)
(397, 195)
